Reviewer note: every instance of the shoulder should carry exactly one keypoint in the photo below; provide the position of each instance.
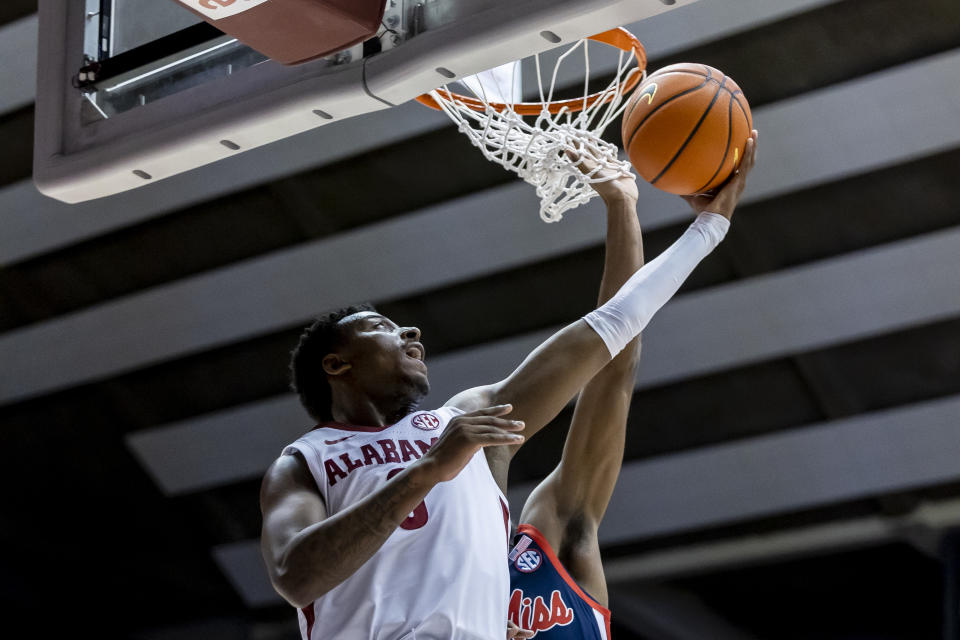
(446, 412)
(288, 473)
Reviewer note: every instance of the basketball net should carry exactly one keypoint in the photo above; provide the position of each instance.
(535, 147)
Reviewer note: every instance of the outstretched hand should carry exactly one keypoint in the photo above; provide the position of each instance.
(616, 189)
(725, 200)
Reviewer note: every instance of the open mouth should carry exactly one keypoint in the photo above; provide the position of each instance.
(415, 351)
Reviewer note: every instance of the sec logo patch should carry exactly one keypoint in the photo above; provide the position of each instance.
(528, 561)
(426, 421)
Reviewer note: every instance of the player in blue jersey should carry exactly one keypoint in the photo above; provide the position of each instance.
(557, 584)
(558, 589)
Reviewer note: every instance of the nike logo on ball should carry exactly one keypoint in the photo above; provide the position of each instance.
(338, 440)
(649, 92)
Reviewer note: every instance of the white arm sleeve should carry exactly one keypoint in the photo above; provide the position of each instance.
(625, 315)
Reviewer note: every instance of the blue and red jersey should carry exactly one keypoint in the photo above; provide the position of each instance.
(544, 598)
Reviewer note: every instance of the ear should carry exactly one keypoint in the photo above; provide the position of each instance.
(334, 365)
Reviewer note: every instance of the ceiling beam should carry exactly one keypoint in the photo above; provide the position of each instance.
(887, 451)
(792, 311)
(867, 455)
(932, 518)
(658, 612)
(866, 131)
(35, 224)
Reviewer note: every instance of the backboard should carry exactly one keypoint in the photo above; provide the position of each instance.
(134, 91)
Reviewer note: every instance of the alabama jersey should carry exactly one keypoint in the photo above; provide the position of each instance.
(440, 574)
(545, 599)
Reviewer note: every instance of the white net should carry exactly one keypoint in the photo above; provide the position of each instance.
(536, 147)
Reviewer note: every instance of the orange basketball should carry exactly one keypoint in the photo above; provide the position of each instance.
(685, 128)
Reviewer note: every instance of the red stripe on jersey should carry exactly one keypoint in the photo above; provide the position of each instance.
(309, 615)
(506, 518)
(534, 533)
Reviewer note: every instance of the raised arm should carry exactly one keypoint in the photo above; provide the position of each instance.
(556, 370)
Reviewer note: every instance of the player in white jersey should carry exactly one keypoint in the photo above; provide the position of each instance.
(389, 523)
(416, 581)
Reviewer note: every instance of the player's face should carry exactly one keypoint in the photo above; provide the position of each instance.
(384, 358)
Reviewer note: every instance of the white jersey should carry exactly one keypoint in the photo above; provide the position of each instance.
(441, 574)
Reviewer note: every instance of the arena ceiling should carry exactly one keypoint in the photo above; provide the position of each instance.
(792, 456)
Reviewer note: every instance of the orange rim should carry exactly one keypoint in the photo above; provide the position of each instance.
(619, 38)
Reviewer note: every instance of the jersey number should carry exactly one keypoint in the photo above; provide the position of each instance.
(418, 517)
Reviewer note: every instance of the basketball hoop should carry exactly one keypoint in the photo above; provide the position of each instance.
(535, 149)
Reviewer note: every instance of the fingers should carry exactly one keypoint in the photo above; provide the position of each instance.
(485, 427)
(586, 165)
(723, 200)
(487, 430)
(500, 423)
(749, 153)
(495, 431)
(738, 180)
(515, 632)
(489, 416)
(495, 410)
(495, 438)
(749, 156)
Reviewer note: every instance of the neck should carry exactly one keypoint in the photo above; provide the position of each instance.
(363, 411)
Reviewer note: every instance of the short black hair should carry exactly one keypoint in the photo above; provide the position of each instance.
(307, 377)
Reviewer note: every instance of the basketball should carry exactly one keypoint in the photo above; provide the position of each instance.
(685, 127)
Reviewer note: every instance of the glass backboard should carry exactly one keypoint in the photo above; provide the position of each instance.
(134, 91)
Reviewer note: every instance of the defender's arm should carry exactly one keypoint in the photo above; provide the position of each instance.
(569, 504)
(579, 489)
